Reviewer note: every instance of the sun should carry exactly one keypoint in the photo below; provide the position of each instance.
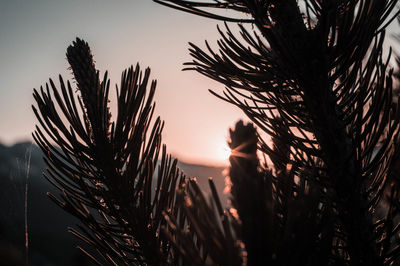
(223, 152)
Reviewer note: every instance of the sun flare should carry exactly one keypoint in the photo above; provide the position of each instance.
(223, 152)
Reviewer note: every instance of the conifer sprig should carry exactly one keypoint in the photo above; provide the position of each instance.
(314, 78)
(115, 176)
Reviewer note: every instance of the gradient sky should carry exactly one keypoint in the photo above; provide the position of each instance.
(34, 36)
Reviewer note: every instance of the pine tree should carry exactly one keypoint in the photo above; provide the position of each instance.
(313, 77)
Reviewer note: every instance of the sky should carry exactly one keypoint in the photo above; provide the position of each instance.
(34, 36)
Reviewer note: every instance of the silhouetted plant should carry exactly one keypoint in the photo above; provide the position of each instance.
(107, 170)
(314, 78)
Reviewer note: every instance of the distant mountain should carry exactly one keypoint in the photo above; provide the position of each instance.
(202, 174)
(49, 241)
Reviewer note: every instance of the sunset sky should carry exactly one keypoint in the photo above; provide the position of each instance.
(34, 36)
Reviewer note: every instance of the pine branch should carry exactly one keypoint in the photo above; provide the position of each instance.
(285, 219)
(210, 236)
(320, 69)
(251, 195)
(106, 170)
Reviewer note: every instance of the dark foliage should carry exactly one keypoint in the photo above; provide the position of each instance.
(106, 170)
(313, 77)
